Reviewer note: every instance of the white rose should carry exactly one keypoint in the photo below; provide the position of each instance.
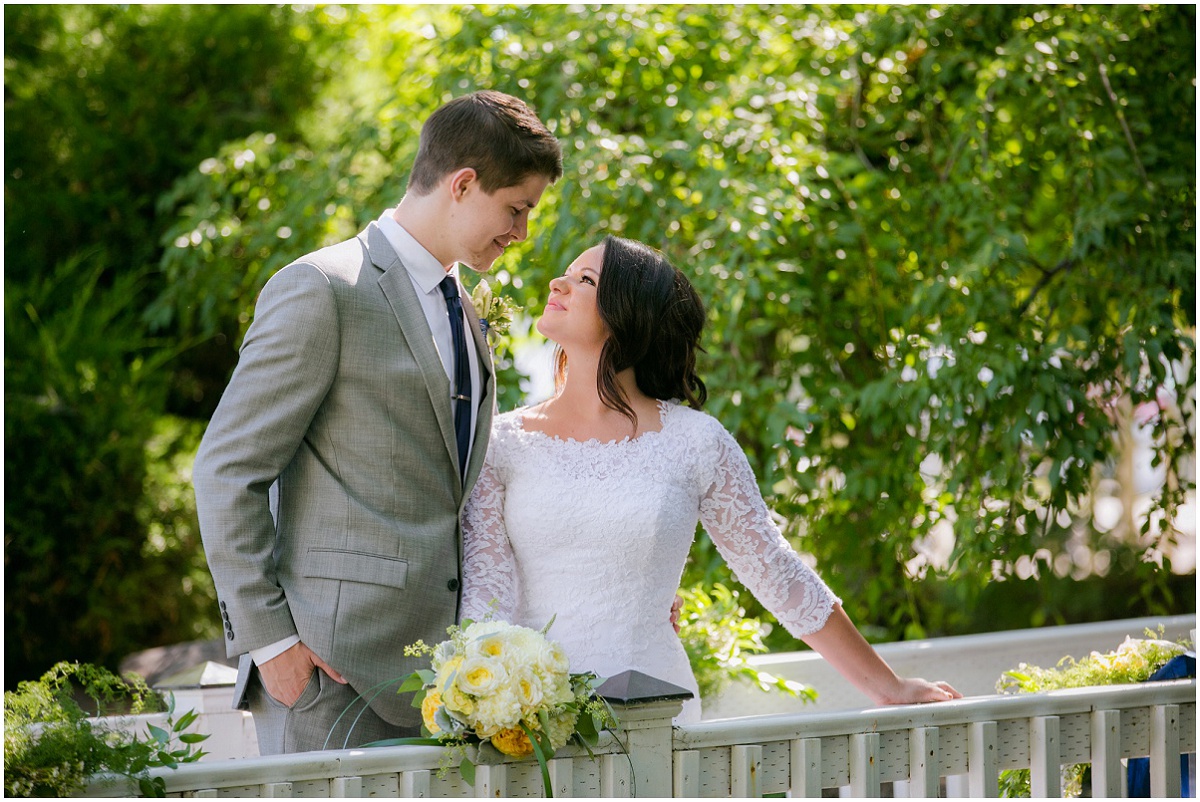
(522, 647)
(481, 299)
(490, 640)
(554, 659)
(528, 687)
(556, 690)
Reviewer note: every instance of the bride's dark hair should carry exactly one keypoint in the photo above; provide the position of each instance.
(654, 317)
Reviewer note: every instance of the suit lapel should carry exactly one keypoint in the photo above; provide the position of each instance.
(398, 289)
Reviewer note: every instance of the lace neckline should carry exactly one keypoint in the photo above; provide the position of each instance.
(663, 408)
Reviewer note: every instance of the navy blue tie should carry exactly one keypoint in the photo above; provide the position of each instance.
(462, 372)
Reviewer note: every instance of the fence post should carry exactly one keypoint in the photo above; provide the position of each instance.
(1045, 756)
(1165, 777)
(644, 707)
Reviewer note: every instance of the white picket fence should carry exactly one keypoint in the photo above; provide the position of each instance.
(955, 748)
(950, 749)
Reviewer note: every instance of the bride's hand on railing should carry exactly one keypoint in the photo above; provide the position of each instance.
(844, 648)
(914, 691)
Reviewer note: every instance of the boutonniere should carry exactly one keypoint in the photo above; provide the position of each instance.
(495, 312)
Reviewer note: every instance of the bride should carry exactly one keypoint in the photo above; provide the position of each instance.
(588, 502)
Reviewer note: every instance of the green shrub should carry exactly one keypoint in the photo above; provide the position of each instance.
(52, 747)
(717, 635)
(92, 572)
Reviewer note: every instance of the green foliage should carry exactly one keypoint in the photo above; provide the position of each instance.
(106, 105)
(1132, 661)
(717, 636)
(90, 560)
(255, 203)
(52, 747)
(939, 246)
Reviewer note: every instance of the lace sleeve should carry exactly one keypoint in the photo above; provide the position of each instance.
(736, 518)
(488, 570)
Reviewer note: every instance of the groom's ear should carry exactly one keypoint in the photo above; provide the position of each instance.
(461, 181)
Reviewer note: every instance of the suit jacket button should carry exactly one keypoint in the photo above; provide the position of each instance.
(452, 584)
(229, 634)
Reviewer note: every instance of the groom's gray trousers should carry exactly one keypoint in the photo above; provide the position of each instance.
(328, 715)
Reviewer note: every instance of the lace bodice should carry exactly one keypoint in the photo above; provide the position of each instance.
(596, 535)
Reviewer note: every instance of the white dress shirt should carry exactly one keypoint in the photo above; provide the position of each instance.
(426, 273)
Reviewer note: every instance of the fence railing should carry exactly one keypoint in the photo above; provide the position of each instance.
(956, 748)
(971, 663)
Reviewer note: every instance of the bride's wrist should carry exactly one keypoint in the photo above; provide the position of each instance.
(888, 690)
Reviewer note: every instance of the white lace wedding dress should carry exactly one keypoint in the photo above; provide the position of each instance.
(596, 535)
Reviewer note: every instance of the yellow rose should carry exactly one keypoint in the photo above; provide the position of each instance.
(454, 699)
(429, 707)
(479, 676)
(513, 742)
(447, 669)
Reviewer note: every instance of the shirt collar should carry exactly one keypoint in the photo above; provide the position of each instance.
(426, 271)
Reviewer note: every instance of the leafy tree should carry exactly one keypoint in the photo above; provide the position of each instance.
(939, 243)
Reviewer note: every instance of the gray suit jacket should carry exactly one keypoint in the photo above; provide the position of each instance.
(339, 409)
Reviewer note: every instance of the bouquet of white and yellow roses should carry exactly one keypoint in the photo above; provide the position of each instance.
(508, 686)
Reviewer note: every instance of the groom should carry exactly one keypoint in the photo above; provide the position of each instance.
(330, 481)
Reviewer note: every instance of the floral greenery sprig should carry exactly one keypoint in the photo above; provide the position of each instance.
(52, 747)
(495, 312)
(505, 686)
(1135, 660)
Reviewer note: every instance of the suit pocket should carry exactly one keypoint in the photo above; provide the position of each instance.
(356, 566)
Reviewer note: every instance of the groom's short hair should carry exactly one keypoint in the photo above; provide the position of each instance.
(497, 135)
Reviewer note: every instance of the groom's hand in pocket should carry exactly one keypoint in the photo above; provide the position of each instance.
(286, 675)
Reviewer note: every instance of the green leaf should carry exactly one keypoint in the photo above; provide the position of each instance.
(587, 729)
(414, 682)
(540, 752)
(467, 769)
(196, 756)
(154, 788)
(415, 740)
(185, 721)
